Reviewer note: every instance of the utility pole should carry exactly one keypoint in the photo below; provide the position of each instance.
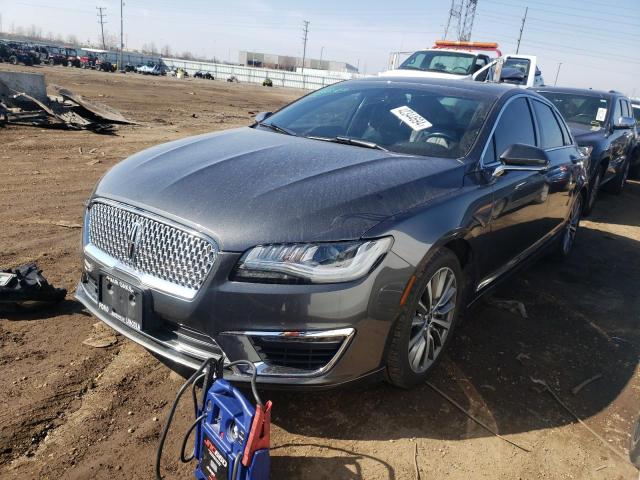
(321, 52)
(524, 19)
(305, 32)
(121, 34)
(557, 73)
(101, 15)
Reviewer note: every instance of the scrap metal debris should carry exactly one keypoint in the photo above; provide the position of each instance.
(65, 224)
(513, 306)
(101, 337)
(475, 419)
(25, 284)
(547, 388)
(575, 390)
(65, 110)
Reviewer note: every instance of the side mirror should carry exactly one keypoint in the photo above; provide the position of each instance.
(523, 158)
(262, 116)
(624, 123)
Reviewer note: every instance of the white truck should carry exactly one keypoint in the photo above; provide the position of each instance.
(479, 61)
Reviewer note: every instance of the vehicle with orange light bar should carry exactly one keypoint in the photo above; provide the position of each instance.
(479, 61)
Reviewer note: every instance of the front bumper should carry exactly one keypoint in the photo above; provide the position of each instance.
(227, 318)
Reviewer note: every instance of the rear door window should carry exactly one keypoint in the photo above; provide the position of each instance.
(550, 131)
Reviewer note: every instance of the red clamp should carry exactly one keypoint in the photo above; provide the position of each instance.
(260, 434)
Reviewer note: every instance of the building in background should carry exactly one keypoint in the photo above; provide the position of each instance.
(292, 64)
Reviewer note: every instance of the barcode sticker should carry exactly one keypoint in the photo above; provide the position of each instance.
(412, 118)
(601, 115)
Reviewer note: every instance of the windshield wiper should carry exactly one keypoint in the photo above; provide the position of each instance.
(279, 129)
(351, 141)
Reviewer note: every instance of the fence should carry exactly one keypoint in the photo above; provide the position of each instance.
(280, 78)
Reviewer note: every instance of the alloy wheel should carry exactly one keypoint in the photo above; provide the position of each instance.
(432, 320)
(572, 226)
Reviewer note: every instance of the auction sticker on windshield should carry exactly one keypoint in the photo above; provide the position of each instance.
(601, 115)
(412, 118)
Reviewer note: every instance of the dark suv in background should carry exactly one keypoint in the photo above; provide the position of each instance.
(635, 160)
(603, 123)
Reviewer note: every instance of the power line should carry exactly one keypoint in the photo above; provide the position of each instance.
(573, 14)
(582, 9)
(524, 19)
(101, 15)
(121, 34)
(305, 33)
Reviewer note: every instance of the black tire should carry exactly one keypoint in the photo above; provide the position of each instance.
(594, 189)
(52, 62)
(634, 171)
(616, 185)
(13, 60)
(568, 234)
(400, 371)
(634, 447)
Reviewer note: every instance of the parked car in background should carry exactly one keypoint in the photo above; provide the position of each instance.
(151, 69)
(15, 53)
(601, 122)
(205, 75)
(56, 55)
(337, 239)
(72, 58)
(480, 61)
(635, 161)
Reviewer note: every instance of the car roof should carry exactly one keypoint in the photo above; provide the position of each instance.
(495, 90)
(578, 91)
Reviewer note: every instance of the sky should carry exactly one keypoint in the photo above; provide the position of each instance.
(597, 43)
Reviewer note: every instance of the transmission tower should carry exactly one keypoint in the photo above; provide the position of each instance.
(461, 16)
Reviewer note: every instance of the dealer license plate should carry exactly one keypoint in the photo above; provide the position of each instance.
(121, 301)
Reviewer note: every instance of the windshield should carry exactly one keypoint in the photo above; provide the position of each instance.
(456, 63)
(636, 112)
(580, 108)
(427, 120)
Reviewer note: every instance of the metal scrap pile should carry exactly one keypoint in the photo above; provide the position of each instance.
(24, 101)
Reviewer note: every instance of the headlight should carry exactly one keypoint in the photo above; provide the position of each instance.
(311, 262)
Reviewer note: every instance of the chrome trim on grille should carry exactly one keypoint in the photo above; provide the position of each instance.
(160, 253)
(266, 370)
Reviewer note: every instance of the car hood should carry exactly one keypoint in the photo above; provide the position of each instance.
(586, 135)
(248, 186)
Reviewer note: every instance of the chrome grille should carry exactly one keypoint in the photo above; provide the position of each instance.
(151, 247)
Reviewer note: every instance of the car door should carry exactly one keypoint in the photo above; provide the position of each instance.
(526, 64)
(518, 216)
(564, 162)
(620, 139)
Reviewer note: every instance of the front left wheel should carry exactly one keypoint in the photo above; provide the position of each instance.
(423, 331)
(617, 184)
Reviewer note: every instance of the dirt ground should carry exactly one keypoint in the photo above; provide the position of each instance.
(68, 410)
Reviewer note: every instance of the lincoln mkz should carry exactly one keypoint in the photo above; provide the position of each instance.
(338, 239)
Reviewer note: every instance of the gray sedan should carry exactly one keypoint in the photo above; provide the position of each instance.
(338, 239)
